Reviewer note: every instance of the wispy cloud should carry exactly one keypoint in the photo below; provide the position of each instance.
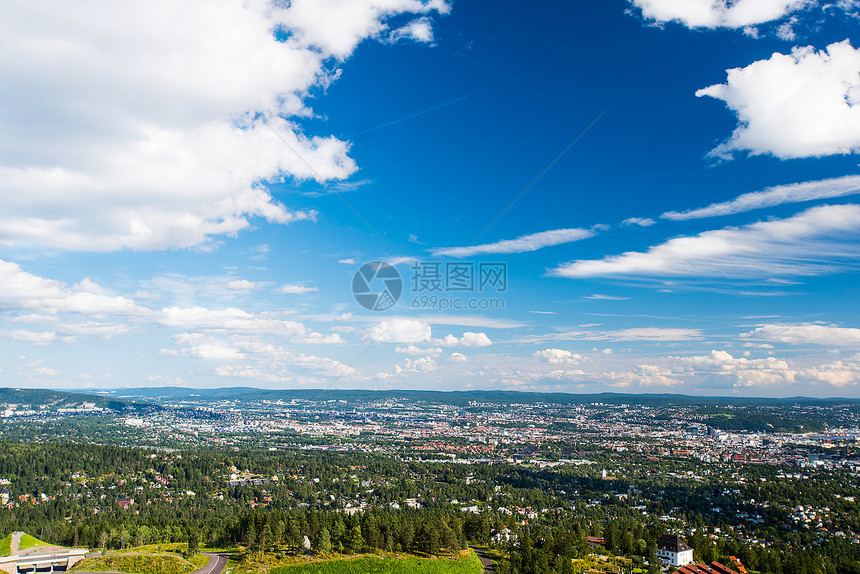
(653, 334)
(598, 297)
(806, 333)
(814, 242)
(772, 196)
(295, 289)
(640, 221)
(531, 242)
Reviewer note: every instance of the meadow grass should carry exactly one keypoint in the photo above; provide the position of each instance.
(387, 565)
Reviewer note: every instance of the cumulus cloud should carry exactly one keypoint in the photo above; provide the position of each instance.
(457, 358)
(188, 122)
(469, 339)
(771, 371)
(803, 104)
(399, 331)
(806, 334)
(415, 350)
(522, 244)
(772, 196)
(718, 13)
(558, 357)
(813, 242)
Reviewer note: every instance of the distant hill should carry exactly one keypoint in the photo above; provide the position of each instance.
(462, 398)
(177, 393)
(66, 399)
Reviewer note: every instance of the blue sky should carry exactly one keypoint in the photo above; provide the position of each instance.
(671, 186)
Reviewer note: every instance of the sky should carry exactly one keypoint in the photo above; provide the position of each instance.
(632, 196)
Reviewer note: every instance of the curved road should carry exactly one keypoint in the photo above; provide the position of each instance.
(216, 564)
(485, 560)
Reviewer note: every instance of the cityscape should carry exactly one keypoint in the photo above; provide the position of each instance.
(430, 287)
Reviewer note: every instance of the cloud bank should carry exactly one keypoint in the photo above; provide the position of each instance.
(157, 125)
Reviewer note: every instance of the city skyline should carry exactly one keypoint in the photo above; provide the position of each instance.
(637, 196)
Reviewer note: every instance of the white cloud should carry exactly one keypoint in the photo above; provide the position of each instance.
(314, 338)
(181, 119)
(640, 221)
(652, 334)
(813, 242)
(558, 357)
(31, 337)
(88, 285)
(836, 374)
(44, 371)
(217, 352)
(772, 196)
(297, 289)
(752, 32)
(399, 331)
(804, 104)
(468, 339)
(806, 334)
(718, 13)
(457, 358)
(522, 244)
(241, 285)
(415, 350)
(349, 261)
(598, 297)
(337, 26)
(419, 30)
(229, 320)
(786, 31)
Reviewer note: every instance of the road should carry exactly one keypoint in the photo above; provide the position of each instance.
(216, 564)
(485, 560)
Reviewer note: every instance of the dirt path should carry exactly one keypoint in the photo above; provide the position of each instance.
(16, 542)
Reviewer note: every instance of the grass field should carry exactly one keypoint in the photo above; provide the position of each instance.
(6, 546)
(141, 564)
(27, 541)
(379, 565)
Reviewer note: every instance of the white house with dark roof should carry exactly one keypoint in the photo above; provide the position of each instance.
(673, 551)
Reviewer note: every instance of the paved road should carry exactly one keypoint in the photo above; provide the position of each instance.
(485, 560)
(216, 564)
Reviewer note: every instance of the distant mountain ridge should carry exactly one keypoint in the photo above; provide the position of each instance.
(460, 398)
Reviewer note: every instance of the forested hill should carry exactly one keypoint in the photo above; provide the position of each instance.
(464, 398)
(64, 400)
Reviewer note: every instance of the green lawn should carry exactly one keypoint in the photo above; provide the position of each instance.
(6, 546)
(139, 564)
(378, 565)
(28, 541)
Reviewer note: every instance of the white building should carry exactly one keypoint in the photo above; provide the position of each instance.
(674, 551)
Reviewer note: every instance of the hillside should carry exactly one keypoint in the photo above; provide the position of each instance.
(65, 400)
